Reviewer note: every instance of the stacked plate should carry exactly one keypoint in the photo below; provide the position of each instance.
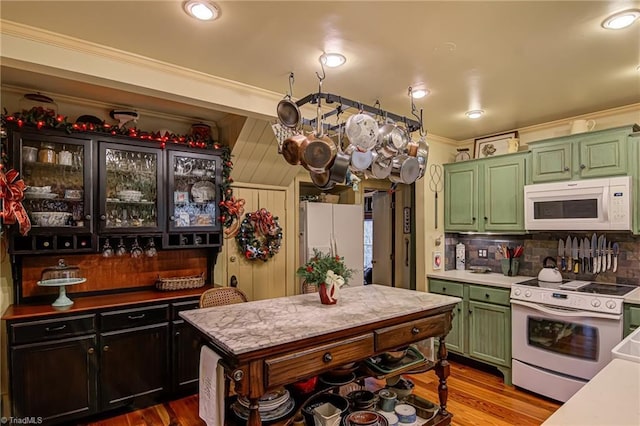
(39, 192)
(272, 405)
(130, 195)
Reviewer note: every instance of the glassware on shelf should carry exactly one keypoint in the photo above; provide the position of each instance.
(136, 250)
(150, 249)
(121, 250)
(107, 250)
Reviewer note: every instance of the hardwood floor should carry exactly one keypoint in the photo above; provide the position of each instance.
(476, 397)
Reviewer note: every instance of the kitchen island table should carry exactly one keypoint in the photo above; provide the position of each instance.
(270, 343)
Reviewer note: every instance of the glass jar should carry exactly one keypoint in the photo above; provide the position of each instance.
(47, 153)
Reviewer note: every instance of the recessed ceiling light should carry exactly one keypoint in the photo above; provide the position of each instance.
(621, 20)
(332, 60)
(419, 93)
(476, 113)
(203, 10)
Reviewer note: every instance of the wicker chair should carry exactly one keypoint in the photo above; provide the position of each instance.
(222, 296)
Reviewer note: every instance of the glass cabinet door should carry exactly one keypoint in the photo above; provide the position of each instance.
(129, 184)
(56, 171)
(194, 182)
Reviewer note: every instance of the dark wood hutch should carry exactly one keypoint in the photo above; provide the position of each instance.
(125, 211)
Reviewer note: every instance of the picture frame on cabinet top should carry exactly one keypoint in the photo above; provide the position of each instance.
(492, 146)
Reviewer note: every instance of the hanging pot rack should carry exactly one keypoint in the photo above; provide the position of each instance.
(344, 104)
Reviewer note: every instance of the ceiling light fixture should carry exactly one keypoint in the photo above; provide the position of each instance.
(332, 60)
(476, 113)
(419, 93)
(203, 10)
(620, 20)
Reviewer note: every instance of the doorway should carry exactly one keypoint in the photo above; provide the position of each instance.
(389, 243)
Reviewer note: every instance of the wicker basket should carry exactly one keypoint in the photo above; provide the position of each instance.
(180, 283)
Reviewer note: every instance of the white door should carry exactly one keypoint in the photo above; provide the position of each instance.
(382, 244)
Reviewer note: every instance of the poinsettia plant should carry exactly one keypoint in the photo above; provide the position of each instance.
(316, 269)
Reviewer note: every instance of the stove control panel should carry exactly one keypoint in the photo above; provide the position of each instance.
(567, 299)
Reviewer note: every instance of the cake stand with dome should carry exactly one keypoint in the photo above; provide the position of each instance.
(61, 276)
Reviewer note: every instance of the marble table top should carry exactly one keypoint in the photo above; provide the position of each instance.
(247, 327)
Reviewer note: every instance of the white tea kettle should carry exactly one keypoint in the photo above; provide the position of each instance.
(549, 272)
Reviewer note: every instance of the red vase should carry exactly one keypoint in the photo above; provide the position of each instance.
(325, 297)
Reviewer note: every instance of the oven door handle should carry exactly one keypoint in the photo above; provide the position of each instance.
(565, 313)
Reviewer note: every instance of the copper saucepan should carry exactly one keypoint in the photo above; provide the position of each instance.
(319, 153)
(293, 148)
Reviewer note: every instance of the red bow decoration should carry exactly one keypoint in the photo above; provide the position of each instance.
(264, 222)
(234, 208)
(11, 195)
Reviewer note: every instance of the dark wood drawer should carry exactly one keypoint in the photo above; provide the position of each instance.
(400, 335)
(489, 294)
(183, 306)
(33, 331)
(298, 365)
(116, 320)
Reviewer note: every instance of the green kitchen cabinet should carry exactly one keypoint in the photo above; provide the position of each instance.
(481, 329)
(461, 196)
(582, 156)
(631, 318)
(454, 340)
(486, 195)
(489, 326)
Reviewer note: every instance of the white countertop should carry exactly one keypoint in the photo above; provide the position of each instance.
(499, 280)
(489, 278)
(246, 327)
(611, 398)
(633, 297)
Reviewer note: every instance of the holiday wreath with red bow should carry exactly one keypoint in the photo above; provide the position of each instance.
(260, 235)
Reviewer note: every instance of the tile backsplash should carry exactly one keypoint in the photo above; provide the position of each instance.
(540, 245)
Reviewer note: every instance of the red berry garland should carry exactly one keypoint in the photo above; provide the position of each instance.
(260, 235)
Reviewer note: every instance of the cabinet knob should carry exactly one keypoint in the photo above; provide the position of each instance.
(91, 351)
(486, 295)
(103, 217)
(415, 330)
(172, 218)
(232, 259)
(177, 333)
(473, 219)
(582, 166)
(327, 357)
(87, 217)
(566, 169)
(486, 218)
(106, 348)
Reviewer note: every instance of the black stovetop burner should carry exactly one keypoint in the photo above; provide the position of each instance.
(592, 287)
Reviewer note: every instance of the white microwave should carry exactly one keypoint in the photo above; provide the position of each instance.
(580, 205)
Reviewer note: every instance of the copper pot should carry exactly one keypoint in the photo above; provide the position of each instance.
(319, 153)
(322, 179)
(293, 148)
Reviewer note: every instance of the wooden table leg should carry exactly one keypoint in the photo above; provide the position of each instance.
(254, 413)
(442, 371)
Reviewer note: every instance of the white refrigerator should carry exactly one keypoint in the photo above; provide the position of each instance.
(336, 229)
